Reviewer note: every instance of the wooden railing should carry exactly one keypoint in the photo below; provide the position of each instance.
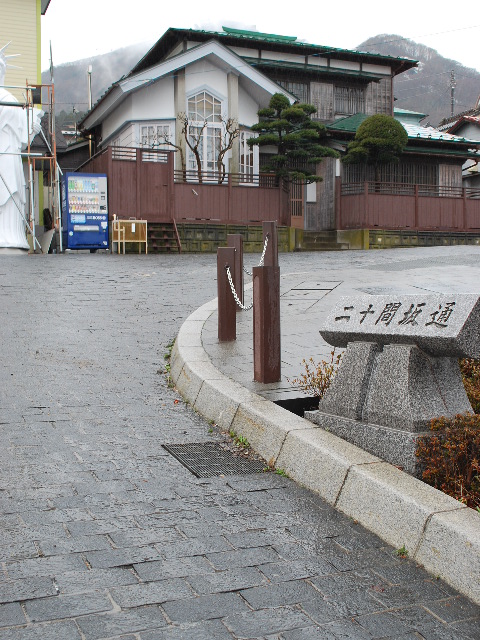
(267, 180)
(366, 205)
(406, 189)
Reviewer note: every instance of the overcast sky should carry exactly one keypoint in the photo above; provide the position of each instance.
(91, 27)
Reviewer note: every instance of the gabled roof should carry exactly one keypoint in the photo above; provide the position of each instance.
(470, 119)
(220, 55)
(447, 123)
(253, 39)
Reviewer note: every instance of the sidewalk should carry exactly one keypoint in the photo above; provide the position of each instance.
(104, 535)
(400, 509)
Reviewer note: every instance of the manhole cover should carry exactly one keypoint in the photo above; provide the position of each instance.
(207, 459)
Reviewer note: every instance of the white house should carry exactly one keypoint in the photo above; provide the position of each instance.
(209, 83)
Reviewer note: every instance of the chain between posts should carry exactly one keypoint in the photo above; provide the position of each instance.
(232, 287)
(262, 257)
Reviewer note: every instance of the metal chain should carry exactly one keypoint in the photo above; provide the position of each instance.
(262, 257)
(232, 287)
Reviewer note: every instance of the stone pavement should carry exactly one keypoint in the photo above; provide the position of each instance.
(103, 534)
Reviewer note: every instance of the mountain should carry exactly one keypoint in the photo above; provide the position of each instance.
(71, 88)
(427, 89)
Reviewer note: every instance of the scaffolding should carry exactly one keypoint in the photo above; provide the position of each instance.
(46, 163)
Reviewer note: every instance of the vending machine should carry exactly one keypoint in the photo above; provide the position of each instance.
(85, 211)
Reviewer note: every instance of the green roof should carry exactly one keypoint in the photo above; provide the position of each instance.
(258, 34)
(240, 37)
(407, 112)
(349, 124)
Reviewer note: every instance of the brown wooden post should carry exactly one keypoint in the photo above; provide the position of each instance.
(271, 254)
(113, 199)
(464, 198)
(266, 324)
(235, 240)
(138, 181)
(227, 318)
(338, 202)
(416, 207)
(171, 186)
(365, 205)
(229, 197)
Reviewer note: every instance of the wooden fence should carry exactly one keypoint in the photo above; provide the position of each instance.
(404, 206)
(143, 183)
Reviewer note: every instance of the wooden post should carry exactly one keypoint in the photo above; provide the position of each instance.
(266, 324)
(138, 183)
(227, 318)
(416, 207)
(338, 202)
(271, 254)
(365, 205)
(235, 240)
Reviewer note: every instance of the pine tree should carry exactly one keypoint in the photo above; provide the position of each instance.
(298, 139)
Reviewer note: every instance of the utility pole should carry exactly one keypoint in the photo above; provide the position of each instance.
(453, 84)
(89, 77)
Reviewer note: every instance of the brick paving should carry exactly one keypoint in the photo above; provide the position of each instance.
(103, 534)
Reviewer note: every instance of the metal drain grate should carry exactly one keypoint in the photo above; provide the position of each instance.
(208, 459)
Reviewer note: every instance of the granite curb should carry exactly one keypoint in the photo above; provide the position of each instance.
(437, 531)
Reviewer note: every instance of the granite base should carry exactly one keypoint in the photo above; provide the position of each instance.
(392, 445)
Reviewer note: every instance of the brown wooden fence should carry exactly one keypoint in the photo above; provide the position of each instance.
(403, 206)
(143, 183)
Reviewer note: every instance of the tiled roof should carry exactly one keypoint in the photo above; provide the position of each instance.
(415, 131)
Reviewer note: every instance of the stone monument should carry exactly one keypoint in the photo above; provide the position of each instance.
(14, 135)
(399, 370)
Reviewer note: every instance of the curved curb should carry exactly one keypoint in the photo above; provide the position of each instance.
(437, 530)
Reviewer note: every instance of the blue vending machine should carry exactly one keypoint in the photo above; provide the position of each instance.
(85, 211)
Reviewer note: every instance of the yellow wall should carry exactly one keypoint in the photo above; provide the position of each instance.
(20, 24)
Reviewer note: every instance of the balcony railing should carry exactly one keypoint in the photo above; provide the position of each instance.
(266, 180)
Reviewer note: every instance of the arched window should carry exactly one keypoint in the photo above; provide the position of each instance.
(205, 130)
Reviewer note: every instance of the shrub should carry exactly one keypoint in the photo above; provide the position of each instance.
(471, 381)
(451, 457)
(317, 376)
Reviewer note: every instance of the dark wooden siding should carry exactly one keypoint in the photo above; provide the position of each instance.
(420, 207)
(141, 184)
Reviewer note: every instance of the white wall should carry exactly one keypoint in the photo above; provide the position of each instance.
(469, 131)
(117, 119)
(345, 64)
(154, 101)
(202, 75)
(247, 108)
(376, 68)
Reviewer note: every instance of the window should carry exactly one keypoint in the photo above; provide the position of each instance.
(349, 100)
(154, 136)
(204, 108)
(248, 165)
(205, 130)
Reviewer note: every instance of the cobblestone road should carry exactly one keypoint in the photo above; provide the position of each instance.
(103, 534)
